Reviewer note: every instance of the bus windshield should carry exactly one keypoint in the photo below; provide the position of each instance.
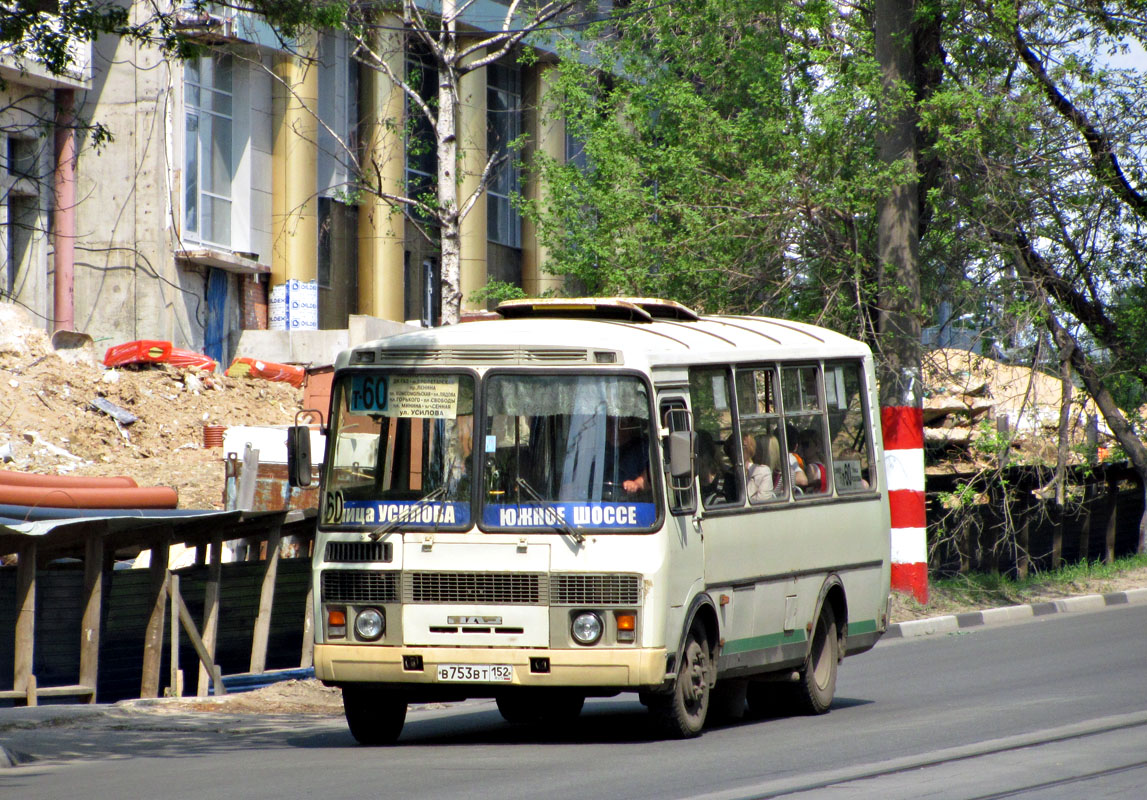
(569, 450)
(400, 451)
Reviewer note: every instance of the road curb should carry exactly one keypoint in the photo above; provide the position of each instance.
(950, 623)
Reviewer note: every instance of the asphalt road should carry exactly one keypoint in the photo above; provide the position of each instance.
(1054, 707)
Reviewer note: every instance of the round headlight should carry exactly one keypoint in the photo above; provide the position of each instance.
(369, 624)
(586, 628)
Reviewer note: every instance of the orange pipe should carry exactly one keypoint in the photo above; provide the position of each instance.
(10, 478)
(88, 497)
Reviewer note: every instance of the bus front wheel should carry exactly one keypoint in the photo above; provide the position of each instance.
(374, 717)
(682, 711)
(813, 692)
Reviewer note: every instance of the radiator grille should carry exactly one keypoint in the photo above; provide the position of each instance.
(595, 590)
(475, 587)
(359, 586)
(358, 552)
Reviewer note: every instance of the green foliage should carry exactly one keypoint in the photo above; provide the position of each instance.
(495, 292)
(721, 163)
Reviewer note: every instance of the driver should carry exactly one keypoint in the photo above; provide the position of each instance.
(628, 444)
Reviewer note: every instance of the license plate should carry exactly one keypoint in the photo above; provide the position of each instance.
(475, 673)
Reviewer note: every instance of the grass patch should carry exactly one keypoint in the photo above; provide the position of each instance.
(981, 590)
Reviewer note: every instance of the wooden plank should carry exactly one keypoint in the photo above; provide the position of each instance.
(153, 637)
(23, 679)
(1113, 518)
(93, 608)
(211, 610)
(173, 688)
(266, 601)
(184, 616)
(74, 690)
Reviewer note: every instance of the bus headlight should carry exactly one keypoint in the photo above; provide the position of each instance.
(586, 628)
(369, 624)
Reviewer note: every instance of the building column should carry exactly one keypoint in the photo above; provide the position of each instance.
(294, 162)
(547, 138)
(381, 275)
(473, 154)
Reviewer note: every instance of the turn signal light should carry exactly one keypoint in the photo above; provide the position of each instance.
(336, 622)
(626, 626)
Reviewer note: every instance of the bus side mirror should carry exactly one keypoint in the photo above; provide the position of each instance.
(299, 455)
(681, 454)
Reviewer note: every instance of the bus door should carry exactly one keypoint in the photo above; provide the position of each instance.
(683, 539)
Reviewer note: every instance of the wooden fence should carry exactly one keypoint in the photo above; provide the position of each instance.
(74, 626)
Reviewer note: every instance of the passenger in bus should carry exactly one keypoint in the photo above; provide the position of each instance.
(709, 469)
(808, 448)
(758, 470)
(796, 463)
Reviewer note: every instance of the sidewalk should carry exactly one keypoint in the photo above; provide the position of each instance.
(995, 616)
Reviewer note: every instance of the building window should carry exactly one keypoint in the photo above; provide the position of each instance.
(208, 160)
(504, 126)
(421, 145)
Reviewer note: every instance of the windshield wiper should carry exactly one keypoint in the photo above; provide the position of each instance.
(559, 521)
(404, 516)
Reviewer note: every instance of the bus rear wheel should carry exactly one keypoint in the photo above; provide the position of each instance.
(681, 712)
(816, 684)
(374, 717)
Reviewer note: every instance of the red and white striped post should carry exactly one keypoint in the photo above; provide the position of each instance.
(904, 465)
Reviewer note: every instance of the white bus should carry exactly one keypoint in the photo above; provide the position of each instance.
(589, 497)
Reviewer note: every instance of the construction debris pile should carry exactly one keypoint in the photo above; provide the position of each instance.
(966, 395)
(62, 412)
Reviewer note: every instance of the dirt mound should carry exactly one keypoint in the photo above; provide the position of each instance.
(48, 423)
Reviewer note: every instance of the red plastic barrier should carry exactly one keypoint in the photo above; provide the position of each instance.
(137, 352)
(188, 358)
(87, 497)
(257, 368)
(10, 478)
(146, 351)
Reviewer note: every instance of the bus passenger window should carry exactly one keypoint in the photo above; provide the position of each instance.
(719, 475)
(849, 435)
(805, 430)
(759, 419)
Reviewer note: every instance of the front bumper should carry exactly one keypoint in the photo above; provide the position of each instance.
(605, 668)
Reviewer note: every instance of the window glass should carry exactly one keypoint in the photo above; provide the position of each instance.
(504, 125)
(573, 450)
(805, 431)
(718, 452)
(401, 450)
(208, 159)
(675, 417)
(849, 433)
(421, 149)
(760, 431)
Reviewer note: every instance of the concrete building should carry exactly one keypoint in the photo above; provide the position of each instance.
(234, 172)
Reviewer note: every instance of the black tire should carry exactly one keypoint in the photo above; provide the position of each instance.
(681, 713)
(541, 706)
(814, 690)
(374, 717)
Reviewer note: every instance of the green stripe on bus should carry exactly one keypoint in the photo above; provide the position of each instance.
(762, 642)
(777, 639)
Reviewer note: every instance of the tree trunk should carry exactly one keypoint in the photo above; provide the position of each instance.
(898, 320)
(447, 136)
